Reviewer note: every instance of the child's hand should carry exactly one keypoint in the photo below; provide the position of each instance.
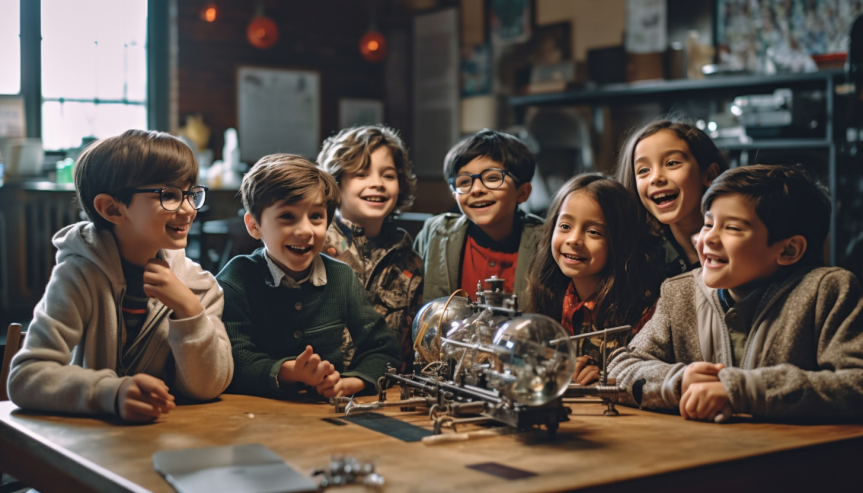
(706, 401)
(307, 368)
(143, 398)
(161, 283)
(585, 374)
(700, 371)
(335, 386)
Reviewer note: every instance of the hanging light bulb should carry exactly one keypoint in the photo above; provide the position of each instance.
(373, 44)
(210, 12)
(262, 32)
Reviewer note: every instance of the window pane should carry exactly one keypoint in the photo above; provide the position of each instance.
(65, 124)
(10, 47)
(94, 49)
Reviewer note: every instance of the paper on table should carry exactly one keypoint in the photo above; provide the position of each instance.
(249, 468)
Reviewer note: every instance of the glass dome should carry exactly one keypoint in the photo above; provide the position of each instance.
(425, 325)
(536, 359)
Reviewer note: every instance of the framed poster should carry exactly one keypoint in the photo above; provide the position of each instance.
(782, 34)
(356, 112)
(278, 110)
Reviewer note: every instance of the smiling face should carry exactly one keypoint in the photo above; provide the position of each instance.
(292, 233)
(579, 243)
(370, 195)
(733, 246)
(148, 227)
(491, 209)
(668, 179)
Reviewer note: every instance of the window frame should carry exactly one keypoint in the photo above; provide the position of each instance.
(157, 47)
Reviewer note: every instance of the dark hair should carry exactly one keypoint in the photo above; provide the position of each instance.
(501, 148)
(787, 199)
(286, 178)
(629, 284)
(129, 160)
(702, 148)
(350, 151)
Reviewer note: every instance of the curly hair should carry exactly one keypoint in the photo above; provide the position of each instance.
(350, 151)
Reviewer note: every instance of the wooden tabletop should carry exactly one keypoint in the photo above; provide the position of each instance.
(637, 449)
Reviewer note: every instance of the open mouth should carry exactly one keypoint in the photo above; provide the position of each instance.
(375, 200)
(179, 228)
(480, 205)
(300, 249)
(574, 258)
(713, 260)
(664, 198)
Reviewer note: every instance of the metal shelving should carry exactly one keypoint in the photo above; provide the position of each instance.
(713, 89)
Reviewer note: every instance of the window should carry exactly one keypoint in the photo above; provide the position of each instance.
(10, 47)
(93, 67)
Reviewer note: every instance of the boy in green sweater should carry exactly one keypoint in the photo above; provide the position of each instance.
(287, 307)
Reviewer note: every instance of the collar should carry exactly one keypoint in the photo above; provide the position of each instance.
(317, 274)
(509, 244)
(572, 304)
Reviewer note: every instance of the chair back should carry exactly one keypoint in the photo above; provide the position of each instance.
(14, 342)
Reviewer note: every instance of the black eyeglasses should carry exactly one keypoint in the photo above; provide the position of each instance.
(491, 178)
(171, 198)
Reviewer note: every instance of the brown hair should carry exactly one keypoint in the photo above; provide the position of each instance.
(286, 178)
(701, 146)
(351, 149)
(787, 199)
(136, 157)
(629, 283)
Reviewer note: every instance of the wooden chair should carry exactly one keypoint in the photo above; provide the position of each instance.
(14, 341)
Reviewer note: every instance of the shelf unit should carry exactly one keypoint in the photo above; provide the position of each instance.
(713, 89)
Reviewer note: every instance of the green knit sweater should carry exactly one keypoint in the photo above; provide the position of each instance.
(270, 324)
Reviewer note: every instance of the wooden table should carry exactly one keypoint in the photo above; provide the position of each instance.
(637, 450)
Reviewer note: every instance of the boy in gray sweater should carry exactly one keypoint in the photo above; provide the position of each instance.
(759, 329)
(126, 319)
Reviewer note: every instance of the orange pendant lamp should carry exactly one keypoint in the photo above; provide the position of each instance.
(262, 32)
(373, 44)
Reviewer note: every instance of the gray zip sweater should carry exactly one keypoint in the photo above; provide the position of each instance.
(441, 245)
(803, 358)
(71, 359)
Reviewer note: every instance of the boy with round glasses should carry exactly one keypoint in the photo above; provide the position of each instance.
(489, 174)
(127, 320)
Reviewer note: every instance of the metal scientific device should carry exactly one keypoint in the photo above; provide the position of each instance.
(486, 362)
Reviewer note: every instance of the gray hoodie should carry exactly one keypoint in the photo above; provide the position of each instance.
(71, 358)
(803, 358)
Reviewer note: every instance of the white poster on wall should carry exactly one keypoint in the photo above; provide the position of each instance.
(646, 30)
(278, 110)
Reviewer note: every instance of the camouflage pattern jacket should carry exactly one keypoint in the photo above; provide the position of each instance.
(390, 270)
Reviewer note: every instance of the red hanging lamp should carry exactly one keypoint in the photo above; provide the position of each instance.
(262, 32)
(373, 44)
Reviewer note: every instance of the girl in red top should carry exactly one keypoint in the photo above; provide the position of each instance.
(590, 269)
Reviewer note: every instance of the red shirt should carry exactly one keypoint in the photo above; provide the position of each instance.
(478, 264)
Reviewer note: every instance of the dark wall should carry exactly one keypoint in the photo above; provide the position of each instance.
(320, 35)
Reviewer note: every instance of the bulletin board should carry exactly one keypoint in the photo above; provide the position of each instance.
(749, 30)
(278, 110)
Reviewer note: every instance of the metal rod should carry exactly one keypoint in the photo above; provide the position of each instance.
(612, 330)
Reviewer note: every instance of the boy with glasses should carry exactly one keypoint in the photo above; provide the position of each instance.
(489, 174)
(127, 320)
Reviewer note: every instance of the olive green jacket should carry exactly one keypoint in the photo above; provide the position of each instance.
(441, 245)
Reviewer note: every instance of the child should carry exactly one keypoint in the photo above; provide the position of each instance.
(376, 181)
(590, 270)
(489, 174)
(287, 306)
(759, 329)
(669, 165)
(126, 318)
